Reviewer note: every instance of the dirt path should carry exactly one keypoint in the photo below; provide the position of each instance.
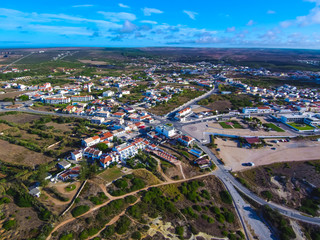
(166, 178)
(115, 219)
(123, 196)
(103, 189)
(56, 201)
(180, 166)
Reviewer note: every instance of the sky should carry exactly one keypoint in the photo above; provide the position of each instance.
(174, 23)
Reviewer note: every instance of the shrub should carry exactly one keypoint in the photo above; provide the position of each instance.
(10, 224)
(121, 183)
(123, 225)
(179, 230)
(225, 197)
(229, 216)
(136, 235)
(267, 195)
(5, 200)
(108, 231)
(130, 199)
(66, 236)
(77, 211)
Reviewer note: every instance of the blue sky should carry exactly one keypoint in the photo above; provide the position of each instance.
(144, 23)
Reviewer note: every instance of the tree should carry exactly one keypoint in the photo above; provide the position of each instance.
(102, 147)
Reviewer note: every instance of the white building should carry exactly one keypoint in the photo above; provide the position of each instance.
(97, 120)
(166, 130)
(57, 100)
(82, 98)
(108, 93)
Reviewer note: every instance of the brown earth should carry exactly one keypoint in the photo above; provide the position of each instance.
(19, 155)
(20, 118)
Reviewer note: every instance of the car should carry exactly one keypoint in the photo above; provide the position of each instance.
(273, 148)
(248, 164)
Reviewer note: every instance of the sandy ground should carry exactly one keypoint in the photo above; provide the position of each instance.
(93, 62)
(198, 109)
(197, 131)
(233, 156)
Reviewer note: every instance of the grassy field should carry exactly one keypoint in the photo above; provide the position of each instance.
(273, 127)
(236, 124)
(303, 127)
(111, 174)
(225, 125)
(175, 102)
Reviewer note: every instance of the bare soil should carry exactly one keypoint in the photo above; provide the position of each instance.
(20, 118)
(19, 155)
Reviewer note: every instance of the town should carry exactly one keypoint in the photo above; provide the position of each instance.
(170, 122)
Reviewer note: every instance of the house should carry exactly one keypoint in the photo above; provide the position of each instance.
(64, 164)
(196, 152)
(97, 120)
(106, 136)
(126, 150)
(76, 155)
(166, 130)
(69, 109)
(184, 112)
(185, 140)
(108, 94)
(92, 153)
(104, 114)
(69, 174)
(118, 114)
(35, 192)
(252, 140)
(91, 141)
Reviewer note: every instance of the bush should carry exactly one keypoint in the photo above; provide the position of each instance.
(66, 236)
(123, 225)
(136, 235)
(77, 211)
(179, 231)
(229, 216)
(10, 224)
(5, 200)
(225, 197)
(130, 199)
(121, 183)
(108, 231)
(267, 195)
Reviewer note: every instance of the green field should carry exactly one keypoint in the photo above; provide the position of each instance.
(224, 125)
(236, 124)
(273, 127)
(111, 174)
(303, 127)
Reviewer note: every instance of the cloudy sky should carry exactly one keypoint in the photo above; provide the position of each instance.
(139, 23)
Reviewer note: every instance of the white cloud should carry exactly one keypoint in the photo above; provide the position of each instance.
(191, 14)
(231, 29)
(149, 22)
(123, 5)
(118, 16)
(312, 18)
(149, 11)
(84, 5)
(250, 23)
(128, 27)
(271, 12)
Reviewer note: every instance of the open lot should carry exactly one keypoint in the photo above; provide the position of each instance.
(19, 155)
(11, 94)
(197, 130)
(233, 156)
(20, 118)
